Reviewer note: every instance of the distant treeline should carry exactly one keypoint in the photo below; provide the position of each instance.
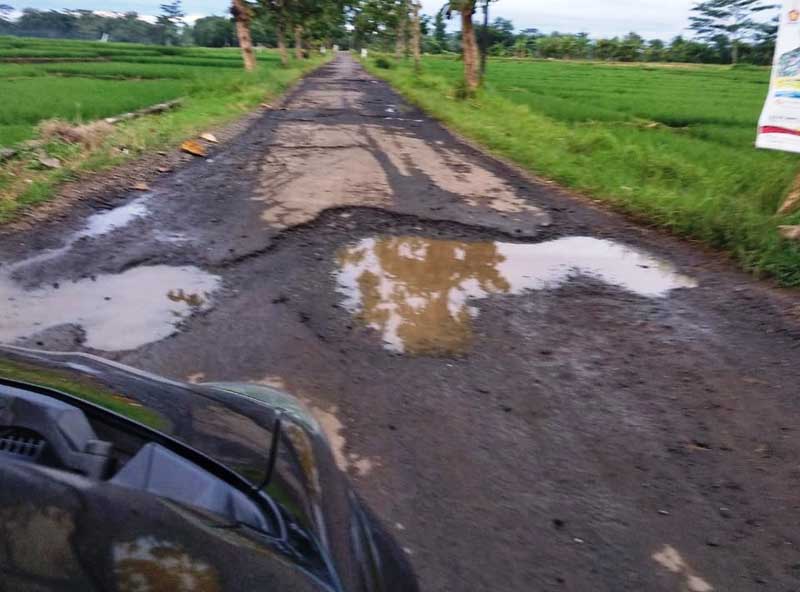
(500, 37)
(211, 31)
(504, 41)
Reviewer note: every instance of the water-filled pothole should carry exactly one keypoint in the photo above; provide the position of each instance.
(417, 291)
(96, 225)
(116, 312)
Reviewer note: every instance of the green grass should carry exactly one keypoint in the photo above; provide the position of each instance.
(79, 99)
(673, 145)
(114, 79)
(118, 78)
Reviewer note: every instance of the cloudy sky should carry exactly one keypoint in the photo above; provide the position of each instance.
(650, 18)
(600, 18)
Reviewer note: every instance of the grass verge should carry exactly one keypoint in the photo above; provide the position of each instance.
(671, 145)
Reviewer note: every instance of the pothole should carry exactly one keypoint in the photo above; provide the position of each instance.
(96, 225)
(116, 312)
(418, 292)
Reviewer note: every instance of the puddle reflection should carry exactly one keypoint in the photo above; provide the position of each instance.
(116, 312)
(417, 291)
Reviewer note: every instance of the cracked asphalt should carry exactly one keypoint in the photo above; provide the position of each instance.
(533, 393)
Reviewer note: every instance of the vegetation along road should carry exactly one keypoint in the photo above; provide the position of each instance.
(533, 393)
(76, 82)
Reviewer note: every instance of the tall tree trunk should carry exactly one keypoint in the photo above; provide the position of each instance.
(469, 49)
(401, 49)
(284, 53)
(298, 42)
(415, 35)
(485, 38)
(735, 51)
(241, 14)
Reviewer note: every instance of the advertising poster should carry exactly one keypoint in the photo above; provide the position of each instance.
(779, 126)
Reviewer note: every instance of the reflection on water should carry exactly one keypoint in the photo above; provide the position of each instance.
(116, 312)
(104, 222)
(148, 564)
(416, 291)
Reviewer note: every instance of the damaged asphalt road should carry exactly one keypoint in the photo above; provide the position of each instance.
(532, 393)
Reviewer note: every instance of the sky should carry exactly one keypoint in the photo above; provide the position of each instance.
(652, 19)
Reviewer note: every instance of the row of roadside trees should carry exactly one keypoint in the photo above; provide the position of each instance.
(727, 31)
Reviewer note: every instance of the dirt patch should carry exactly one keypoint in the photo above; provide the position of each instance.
(315, 135)
(450, 171)
(299, 184)
(328, 99)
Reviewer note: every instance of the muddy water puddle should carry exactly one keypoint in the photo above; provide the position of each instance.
(116, 312)
(419, 293)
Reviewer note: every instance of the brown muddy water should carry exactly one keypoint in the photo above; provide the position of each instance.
(418, 293)
(116, 312)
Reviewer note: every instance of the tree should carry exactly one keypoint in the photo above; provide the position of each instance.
(278, 10)
(5, 12)
(469, 43)
(170, 19)
(416, 34)
(402, 20)
(214, 31)
(732, 18)
(242, 15)
(655, 51)
(440, 30)
(630, 49)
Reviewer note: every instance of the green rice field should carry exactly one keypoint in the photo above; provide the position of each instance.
(82, 81)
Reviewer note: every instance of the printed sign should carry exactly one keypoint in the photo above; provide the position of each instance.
(779, 126)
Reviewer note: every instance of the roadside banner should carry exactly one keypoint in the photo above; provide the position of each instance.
(779, 126)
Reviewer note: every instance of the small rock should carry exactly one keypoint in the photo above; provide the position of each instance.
(578, 540)
(558, 523)
(140, 186)
(266, 106)
(664, 512)
(6, 154)
(164, 169)
(209, 138)
(49, 162)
